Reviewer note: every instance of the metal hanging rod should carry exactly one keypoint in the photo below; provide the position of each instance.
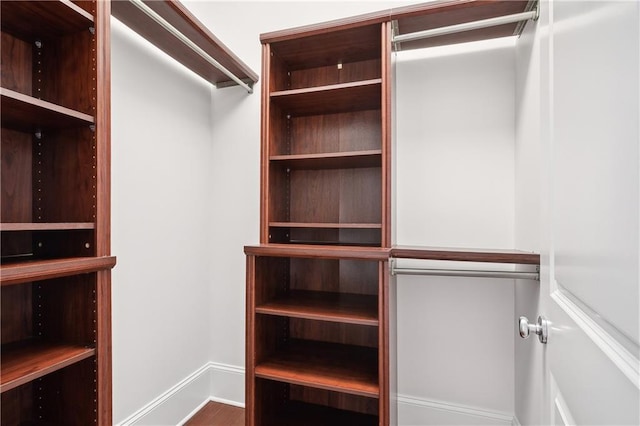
(468, 26)
(466, 273)
(190, 44)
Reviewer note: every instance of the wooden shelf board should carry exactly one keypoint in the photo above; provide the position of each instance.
(28, 114)
(36, 270)
(342, 368)
(324, 225)
(27, 361)
(466, 255)
(354, 96)
(322, 306)
(333, 160)
(184, 21)
(36, 226)
(318, 251)
(296, 413)
(442, 14)
(412, 19)
(31, 20)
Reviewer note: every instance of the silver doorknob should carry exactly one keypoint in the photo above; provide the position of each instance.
(540, 328)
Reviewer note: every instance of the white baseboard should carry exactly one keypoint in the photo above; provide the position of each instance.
(413, 411)
(211, 382)
(225, 383)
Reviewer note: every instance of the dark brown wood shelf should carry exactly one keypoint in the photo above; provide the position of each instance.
(410, 19)
(323, 225)
(186, 23)
(37, 226)
(36, 270)
(329, 366)
(296, 413)
(334, 98)
(324, 306)
(28, 114)
(332, 160)
(318, 252)
(465, 255)
(26, 361)
(30, 20)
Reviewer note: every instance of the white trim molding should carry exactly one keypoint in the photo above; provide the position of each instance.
(459, 413)
(212, 382)
(620, 356)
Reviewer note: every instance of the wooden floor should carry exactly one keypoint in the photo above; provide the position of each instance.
(216, 414)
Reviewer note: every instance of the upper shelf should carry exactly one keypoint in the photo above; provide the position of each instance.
(466, 255)
(179, 17)
(330, 160)
(421, 17)
(354, 96)
(30, 20)
(26, 113)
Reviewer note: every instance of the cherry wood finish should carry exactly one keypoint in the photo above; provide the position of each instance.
(466, 255)
(21, 272)
(359, 95)
(22, 112)
(349, 369)
(32, 360)
(217, 414)
(55, 215)
(318, 295)
(180, 18)
(416, 18)
(34, 19)
(337, 307)
(334, 160)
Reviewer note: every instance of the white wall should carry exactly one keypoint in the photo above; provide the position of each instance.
(161, 221)
(455, 188)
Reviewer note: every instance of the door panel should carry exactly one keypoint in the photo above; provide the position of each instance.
(592, 293)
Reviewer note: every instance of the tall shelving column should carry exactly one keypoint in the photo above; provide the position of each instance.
(55, 217)
(318, 285)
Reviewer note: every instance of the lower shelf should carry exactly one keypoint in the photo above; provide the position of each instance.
(343, 368)
(296, 413)
(26, 361)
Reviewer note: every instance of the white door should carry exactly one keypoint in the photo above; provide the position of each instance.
(588, 372)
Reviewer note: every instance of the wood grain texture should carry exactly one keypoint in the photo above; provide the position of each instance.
(217, 414)
(465, 255)
(318, 252)
(250, 341)
(16, 180)
(326, 366)
(26, 362)
(298, 413)
(186, 23)
(17, 405)
(411, 18)
(354, 96)
(17, 62)
(338, 400)
(386, 135)
(336, 307)
(17, 313)
(344, 334)
(30, 20)
(332, 160)
(27, 114)
(341, 71)
(37, 270)
(35, 226)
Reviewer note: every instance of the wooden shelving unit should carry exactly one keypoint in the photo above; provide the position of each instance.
(318, 289)
(54, 218)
